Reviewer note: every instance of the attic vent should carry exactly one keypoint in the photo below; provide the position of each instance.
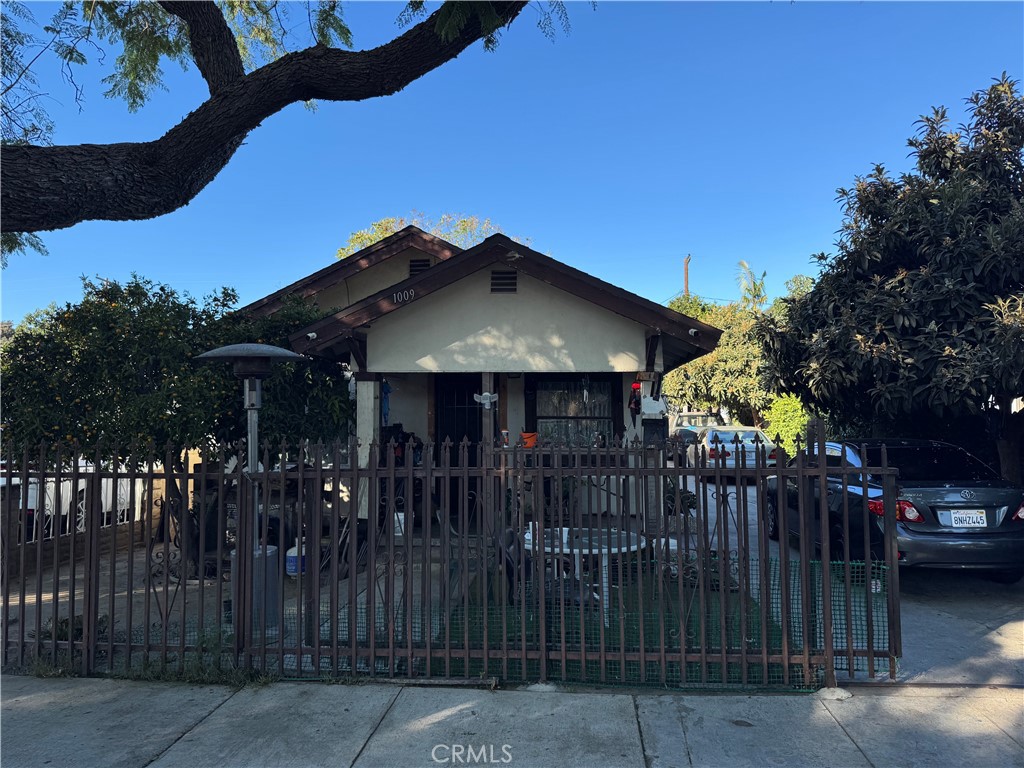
(504, 280)
(418, 265)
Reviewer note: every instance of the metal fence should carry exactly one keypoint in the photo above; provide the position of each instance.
(628, 564)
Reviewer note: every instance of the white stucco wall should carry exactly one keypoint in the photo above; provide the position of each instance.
(465, 327)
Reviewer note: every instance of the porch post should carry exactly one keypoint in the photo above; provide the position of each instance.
(367, 418)
(367, 430)
(487, 384)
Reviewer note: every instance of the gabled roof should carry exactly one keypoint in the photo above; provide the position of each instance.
(407, 237)
(682, 337)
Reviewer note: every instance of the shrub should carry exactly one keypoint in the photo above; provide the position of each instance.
(786, 417)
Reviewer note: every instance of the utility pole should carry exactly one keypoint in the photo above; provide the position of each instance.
(686, 275)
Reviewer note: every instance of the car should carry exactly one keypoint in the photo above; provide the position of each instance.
(693, 420)
(952, 509)
(723, 447)
(684, 437)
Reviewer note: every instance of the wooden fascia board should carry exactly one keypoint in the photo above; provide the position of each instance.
(345, 268)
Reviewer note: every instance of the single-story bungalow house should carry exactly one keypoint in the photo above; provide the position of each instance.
(433, 333)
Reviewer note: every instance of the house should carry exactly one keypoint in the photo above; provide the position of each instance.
(431, 330)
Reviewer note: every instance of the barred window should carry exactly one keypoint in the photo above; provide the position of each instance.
(574, 411)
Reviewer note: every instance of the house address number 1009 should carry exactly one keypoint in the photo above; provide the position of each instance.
(400, 297)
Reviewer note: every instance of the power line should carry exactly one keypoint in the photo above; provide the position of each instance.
(678, 294)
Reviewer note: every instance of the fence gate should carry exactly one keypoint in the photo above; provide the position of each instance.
(616, 565)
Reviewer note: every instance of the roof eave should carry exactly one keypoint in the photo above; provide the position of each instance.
(410, 236)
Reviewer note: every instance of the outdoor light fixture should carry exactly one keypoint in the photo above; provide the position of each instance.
(252, 363)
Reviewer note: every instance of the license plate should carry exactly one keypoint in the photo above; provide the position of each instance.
(967, 518)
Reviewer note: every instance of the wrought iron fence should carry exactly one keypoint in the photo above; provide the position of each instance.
(626, 564)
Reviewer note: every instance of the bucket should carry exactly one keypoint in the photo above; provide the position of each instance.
(291, 561)
(529, 439)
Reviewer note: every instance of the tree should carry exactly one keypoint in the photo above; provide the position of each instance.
(732, 377)
(52, 187)
(729, 376)
(752, 292)
(916, 322)
(119, 367)
(460, 230)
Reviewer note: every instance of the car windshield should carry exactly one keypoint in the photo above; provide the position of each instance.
(933, 463)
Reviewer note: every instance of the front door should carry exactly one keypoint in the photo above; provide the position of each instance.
(457, 415)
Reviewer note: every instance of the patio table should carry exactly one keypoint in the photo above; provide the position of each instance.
(601, 543)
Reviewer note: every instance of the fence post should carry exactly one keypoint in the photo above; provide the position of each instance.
(891, 563)
(7, 517)
(91, 598)
(240, 620)
(825, 529)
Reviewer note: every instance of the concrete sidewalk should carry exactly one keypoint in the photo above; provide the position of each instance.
(114, 723)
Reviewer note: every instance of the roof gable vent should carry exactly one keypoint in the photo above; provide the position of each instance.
(416, 266)
(504, 280)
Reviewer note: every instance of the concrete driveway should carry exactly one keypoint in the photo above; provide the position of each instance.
(958, 627)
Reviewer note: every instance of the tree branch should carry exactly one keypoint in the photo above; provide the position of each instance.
(45, 188)
(214, 49)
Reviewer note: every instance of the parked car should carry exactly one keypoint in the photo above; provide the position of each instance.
(684, 437)
(693, 420)
(952, 510)
(729, 447)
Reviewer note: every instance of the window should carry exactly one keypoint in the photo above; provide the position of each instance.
(574, 411)
(933, 463)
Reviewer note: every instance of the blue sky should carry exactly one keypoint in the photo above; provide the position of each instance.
(651, 131)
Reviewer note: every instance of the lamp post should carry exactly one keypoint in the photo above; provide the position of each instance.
(252, 363)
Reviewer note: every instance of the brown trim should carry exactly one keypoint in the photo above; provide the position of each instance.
(652, 350)
(431, 408)
(503, 402)
(487, 385)
(367, 376)
(408, 237)
(357, 349)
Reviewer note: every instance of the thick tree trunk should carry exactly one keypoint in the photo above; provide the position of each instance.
(44, 188)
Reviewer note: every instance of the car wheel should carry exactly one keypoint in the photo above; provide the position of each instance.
(771, 520)
(1007, 575)
(837, 545)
